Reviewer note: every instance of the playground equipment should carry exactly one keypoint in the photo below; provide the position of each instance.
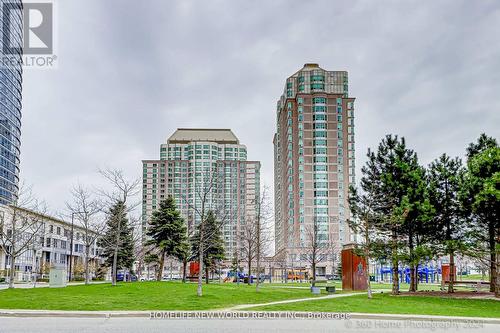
(425, 274)
(300, 274)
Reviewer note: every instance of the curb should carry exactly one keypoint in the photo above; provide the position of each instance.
(297, 315)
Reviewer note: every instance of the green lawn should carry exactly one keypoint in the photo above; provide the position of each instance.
(385, 303)
(144, 296)
(473, 277)
(405, 286)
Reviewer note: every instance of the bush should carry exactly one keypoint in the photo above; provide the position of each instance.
(2, 279)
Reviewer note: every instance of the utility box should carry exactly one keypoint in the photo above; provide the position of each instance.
(57, 278)
(354, 272)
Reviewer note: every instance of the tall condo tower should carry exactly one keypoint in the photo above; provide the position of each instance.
(11, 23)
(313, 163)
(195, 161)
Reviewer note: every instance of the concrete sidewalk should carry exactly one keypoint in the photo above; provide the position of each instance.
(307, 299)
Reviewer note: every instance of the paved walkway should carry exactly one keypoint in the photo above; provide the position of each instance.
(247, 306)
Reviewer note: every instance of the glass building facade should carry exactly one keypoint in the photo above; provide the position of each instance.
(11, 26)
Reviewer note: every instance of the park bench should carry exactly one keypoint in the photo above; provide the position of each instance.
(476, 285)
(330, 289)
(324, 283)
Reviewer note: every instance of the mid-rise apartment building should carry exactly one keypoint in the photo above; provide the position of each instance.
(313, 161)
(46, 241)
(195, 161)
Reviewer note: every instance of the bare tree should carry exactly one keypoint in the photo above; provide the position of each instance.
(206, 192)
(263, 229)
(248, 244)
(316, 248)
(86, 208)
(255, 234)
(21, 226)
(334, 252)
(122, 190)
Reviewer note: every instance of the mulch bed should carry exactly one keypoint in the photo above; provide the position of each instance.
(456, 294)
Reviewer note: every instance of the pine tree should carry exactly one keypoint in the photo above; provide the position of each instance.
(481, 169)
(446, 177)
(118, 241)
(167, 232)
(389, 178)
(483, 201)
(213, 244)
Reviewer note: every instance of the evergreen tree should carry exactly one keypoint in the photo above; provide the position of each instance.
(213, 244)
(391, 178)
(483, 143)
(118, 241)
(167, 232)
(416, 226)
(446, 177)
(483, 201)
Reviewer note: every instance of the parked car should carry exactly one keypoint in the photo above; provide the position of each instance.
(122, 276)
(146, 278)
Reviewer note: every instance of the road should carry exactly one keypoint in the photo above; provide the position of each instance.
(135, 325)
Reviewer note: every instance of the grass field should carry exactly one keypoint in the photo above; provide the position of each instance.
(144, 296)
(385, 303)
(473, 277)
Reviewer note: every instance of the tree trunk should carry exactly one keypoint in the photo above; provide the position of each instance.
(113, 269)
(313, 267)
(159, 274)
(367, 259)
(258, 262)
(206, 274)
(115, 253)
(199, 290)
(415, 275)
(497, 284)
(412, 265)
(12, 270)
(87, 268)
(493, 257)
(249, 269)
(395, 265)
(451, 275)
(412, 278)
(13, 254)
(258, 250)
(184, 267)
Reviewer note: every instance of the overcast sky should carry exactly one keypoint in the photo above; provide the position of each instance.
(131, 72)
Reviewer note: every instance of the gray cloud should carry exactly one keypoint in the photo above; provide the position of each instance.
(130, 72)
